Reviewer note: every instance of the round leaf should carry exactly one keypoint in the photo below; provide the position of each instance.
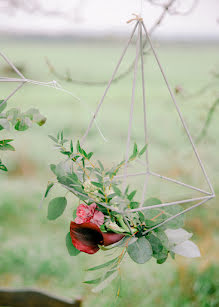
(140, 251)
(70, 247)
(56, 207)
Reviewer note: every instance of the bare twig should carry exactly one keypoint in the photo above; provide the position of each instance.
(208, 120)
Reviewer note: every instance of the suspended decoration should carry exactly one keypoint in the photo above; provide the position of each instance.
(109, 215)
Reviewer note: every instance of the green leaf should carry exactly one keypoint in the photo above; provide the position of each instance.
(71, 147)
(70, 247)
(162, 237)
(101, 266)
(23, 124)
(6, 147)
(135, 149)
(53, 168)
(134, 204)
(116, 190)
(156, 244)
(111, 276)
(143, 150)
(135, 152)
(160, 214)
(97, 184)
(2, 142)
(92, 282)
(140, 251)
(131, 195)
(79, 147)
(56, 207)
(90, 155)
(162, 256)
(74, 214)
(49, 187)
(3, 167)
(53, 138)
(141, 217)
(2, 106)
(101, 165)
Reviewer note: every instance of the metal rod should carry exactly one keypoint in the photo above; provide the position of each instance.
(108, 86)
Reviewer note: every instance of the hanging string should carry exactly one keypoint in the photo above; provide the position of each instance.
(131, 108)
(141, 8)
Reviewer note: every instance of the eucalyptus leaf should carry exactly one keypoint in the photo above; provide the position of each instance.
(140, 251)
(160, 214)
(155, 242)
(56, 207)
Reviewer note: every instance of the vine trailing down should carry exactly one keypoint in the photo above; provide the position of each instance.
(103, 221)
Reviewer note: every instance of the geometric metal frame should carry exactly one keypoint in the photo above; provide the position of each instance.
(139, 54)
(140, 26)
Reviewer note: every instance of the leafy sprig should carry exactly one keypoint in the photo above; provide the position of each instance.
(14, 118)
(91, 182)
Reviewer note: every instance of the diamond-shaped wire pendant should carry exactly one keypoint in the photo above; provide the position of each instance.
(146, 172)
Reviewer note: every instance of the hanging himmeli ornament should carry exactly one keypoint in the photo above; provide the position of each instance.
(108, 216)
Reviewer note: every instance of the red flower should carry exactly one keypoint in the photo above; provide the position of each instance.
(87, 236)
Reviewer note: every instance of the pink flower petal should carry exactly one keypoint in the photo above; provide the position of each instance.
(98, 218)
(79, 220)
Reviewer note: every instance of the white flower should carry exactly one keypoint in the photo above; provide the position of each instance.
(180, 243)
(177, 236)
(187, 249)
(89, 187)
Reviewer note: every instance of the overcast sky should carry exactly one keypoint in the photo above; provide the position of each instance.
(110, 16)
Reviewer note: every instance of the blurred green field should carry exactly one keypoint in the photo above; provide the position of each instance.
(32, 249)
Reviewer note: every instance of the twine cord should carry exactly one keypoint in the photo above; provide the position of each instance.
(131, 109)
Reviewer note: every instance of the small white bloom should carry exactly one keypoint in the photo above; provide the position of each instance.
(177, 236)
(89, 187)
(187, 249)
(109, 190)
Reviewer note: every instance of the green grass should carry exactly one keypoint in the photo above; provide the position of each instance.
(32, 250)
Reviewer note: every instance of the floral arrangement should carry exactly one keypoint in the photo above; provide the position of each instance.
(103, 221)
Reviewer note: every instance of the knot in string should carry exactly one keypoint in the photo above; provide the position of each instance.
(137, 18)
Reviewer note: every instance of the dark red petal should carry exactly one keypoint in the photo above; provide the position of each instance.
(86, 237)
(110, 238)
